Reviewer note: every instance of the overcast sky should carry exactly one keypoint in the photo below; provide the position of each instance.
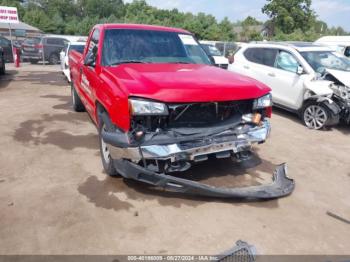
(334, 12)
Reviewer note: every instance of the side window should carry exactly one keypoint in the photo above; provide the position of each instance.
(262, 56)
(287, 62)
(90, 57)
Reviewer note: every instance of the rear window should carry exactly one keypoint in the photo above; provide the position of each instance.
(263, 56)
(55, 41)
(79, 48)
(32, 41)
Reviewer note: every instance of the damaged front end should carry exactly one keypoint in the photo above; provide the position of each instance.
(341, 96)
(178, 135)
(339, 88)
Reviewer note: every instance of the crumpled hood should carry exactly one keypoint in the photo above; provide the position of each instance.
(183, 82)
(342, 76)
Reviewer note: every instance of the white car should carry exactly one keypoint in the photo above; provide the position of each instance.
(312, 81)
(340, 43)
(78, 46)
(215, 53)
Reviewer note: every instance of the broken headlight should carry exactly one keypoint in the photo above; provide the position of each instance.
(263, 102)
(341, 91)
(146, 107)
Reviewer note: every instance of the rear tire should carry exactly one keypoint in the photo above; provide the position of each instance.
(54, 59)
(106, 158)
(78, 106)
(315, 115)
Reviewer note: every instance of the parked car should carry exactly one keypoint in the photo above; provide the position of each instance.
(48, 47)
(78, 46)
(161, 106)
(340, 43)
(310, 80)
(2, 61)
(7, 49)
(213, 52)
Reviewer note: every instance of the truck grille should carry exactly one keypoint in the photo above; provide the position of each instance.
(194, 115)
(206, 114)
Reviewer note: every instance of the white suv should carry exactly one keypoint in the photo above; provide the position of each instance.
(310, 80)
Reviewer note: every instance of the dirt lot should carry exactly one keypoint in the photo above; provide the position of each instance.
(55, 198)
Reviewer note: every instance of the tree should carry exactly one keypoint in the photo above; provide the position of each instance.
(290, 15)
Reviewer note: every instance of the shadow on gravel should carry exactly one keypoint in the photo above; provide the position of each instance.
(66, 102)
(223, 173)
(43, 78)
(342, 127)
(34, 131)
(6, 79)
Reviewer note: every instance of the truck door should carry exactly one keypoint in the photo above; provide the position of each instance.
(89, 80)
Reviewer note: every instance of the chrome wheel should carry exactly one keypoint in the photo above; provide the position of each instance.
(105, 152)
(315, 117)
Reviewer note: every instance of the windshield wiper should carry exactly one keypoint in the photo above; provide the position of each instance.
(129, 62)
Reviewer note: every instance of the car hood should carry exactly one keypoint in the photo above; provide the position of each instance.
(183, 82)
(342, 76)
(219, 60)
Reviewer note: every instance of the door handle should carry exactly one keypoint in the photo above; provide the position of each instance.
(246, 67)
(81, 70)
(272, 74)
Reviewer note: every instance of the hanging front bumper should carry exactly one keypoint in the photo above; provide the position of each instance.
(280, 186)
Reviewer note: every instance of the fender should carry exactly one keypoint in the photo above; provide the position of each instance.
(318, 87)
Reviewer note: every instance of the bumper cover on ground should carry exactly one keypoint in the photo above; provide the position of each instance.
(281, 185)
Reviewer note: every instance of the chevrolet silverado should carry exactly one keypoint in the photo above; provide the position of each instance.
(160, 106)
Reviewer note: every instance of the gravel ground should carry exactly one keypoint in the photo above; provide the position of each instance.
(55, 198)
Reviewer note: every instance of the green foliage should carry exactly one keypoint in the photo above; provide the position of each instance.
(78, 16)
(290, 15)
(289, 19)
(294, 20)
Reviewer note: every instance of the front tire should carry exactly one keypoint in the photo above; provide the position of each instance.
(106, 158)
(315, 115)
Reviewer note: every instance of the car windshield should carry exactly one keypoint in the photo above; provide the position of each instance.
(212, 50)
(319, 60)
(79, 48)
(147, 46)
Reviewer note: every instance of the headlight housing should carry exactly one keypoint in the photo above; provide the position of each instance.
(263, 102)
(141, 107)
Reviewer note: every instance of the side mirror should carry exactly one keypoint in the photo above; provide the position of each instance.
(300, 70)
(90, 58)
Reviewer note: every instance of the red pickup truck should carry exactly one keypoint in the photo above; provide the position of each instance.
(161, 106)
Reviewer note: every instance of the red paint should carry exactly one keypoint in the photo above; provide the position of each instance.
(268, 112)
(16, 56)
(112, 86)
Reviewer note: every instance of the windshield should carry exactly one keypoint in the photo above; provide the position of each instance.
(211, 50)
(319, 60)
(79, 48)
(146, 46)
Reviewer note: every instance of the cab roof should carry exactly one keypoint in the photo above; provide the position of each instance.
(143, 27)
